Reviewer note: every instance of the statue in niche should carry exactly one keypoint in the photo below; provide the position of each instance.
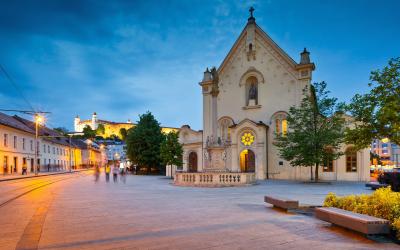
(253, 92)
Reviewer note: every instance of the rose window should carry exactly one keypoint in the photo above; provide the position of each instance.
(247, 139)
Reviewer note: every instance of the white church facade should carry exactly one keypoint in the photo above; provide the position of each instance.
(245, 103)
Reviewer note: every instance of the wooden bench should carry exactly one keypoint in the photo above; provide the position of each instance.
(281, 202)
(375, 185)
(358, 222)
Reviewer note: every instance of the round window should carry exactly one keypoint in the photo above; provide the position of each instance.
(247, 138)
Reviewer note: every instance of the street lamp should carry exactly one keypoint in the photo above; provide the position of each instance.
(88, 141)
(38, 120)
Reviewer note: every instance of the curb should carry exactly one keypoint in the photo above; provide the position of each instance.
(35, 176)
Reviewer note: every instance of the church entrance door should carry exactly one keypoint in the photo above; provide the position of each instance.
(247, 161)
(193, 162)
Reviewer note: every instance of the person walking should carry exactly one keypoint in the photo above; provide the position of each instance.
(115, 172)
(24, 169)
(96, 173)
(108, 170)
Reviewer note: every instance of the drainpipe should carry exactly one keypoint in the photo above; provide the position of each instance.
(266, 150)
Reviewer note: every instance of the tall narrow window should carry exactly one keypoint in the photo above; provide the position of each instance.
(351, 160)
(5, 140)
(284, 127)
(23, 143)
(15, 141)
(281, 125)
(31, 145)
(277, 126)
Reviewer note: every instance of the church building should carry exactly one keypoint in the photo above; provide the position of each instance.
(245, 104)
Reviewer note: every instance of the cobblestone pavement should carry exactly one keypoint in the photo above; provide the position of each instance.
(147, 212)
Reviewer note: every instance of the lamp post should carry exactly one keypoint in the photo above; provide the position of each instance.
(38, 120)
(88, 144)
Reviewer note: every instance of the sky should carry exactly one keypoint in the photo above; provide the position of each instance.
(123, 58)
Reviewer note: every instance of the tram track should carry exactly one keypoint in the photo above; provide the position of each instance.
(11, 195)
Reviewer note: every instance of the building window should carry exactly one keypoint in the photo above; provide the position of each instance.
(247, 138)
(23, 143)
(48, 149)
(31, 145)
(44, 148)
(54, 150)
(15, 141)
(281, 126)
(38, 146)
(57, 150)
(351, 160)
(328, 165)
(5, 140)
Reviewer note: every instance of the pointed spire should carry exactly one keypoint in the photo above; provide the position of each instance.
(251, 18)
(207, 75)
(305, 57)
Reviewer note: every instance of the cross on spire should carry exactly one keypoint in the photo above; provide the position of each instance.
(251, 11)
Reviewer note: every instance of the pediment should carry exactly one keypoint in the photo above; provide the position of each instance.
(267, 44)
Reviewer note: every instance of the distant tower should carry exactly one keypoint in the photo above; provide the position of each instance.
(77, 120)
(94, 121)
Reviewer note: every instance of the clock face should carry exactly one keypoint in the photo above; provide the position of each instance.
(247, 138)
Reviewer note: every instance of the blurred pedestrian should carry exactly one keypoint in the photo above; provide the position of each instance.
(115, 172)
(122, 169)
(96, 173)
(108, 170)
(24, 169)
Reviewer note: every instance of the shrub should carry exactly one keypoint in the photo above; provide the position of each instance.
(383, 203)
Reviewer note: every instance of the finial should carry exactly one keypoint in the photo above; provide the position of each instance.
(251, 18)
(251, 11)
(305, 57)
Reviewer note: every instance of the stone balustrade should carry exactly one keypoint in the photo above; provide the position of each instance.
(217, 179)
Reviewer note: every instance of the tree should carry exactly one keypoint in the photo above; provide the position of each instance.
(100, 130)
(143, 142)
(315, 130)
(377, 113)
(61, 130)
(171, 150)
(123, 133)
(88, 132)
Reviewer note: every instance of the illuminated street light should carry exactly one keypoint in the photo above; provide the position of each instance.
(38, 120)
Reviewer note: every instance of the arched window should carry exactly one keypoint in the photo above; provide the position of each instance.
(224, 129)
(251, 91)
(351, 160)
(281, 125)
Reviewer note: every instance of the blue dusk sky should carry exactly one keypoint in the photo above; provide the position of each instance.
(122, 58)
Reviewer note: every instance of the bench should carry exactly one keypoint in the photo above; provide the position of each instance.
(358, 222)
(282, 202)
(375, 185)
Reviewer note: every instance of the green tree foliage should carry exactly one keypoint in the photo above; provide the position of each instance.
(171, 150)
(315, 130)
(61, 130)
(377, 113)
(143, 142)
(88, 132)
(100, 130)
(123, 133)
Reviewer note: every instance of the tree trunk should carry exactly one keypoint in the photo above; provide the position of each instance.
(311, 177)
(316, 172)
